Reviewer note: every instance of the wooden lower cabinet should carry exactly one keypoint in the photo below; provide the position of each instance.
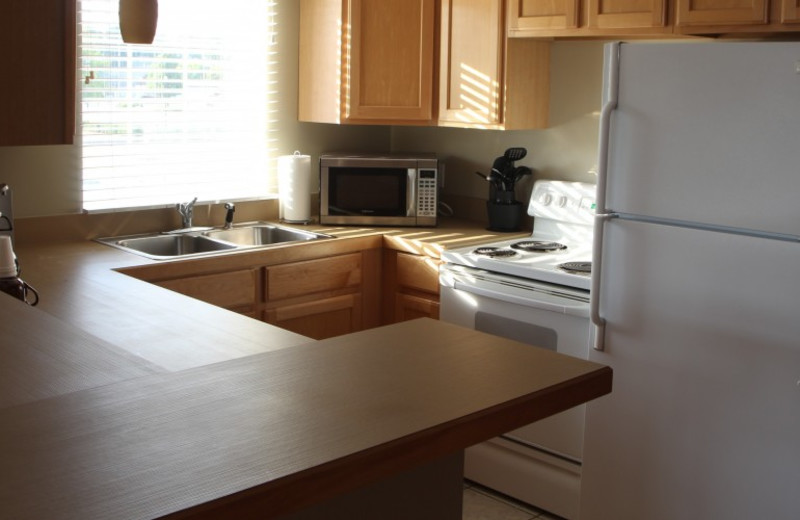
(235, 290)
(410, 307)
(410, 286)
(318, 318)
(318, 298)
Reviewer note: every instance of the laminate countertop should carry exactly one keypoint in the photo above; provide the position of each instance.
(119, 399)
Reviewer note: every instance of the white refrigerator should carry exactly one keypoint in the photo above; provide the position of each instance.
(696, 285)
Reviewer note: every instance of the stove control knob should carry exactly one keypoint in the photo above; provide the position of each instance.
(546, 199)
(562, 201)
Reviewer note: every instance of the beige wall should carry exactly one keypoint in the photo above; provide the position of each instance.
(46, 179)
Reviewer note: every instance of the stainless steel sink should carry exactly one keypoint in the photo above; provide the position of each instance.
(168, 246)
(262, 234)
(204, 241)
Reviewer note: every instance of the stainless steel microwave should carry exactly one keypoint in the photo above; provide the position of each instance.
(378, 190)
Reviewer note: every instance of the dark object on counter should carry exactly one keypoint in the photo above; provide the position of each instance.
(505, 212)
(19, 289)
(504, 217)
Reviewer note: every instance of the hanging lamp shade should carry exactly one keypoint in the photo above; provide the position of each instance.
(138, 20)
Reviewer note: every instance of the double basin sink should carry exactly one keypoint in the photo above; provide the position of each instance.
(193, 242)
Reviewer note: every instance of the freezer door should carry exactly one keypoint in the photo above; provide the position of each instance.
(708, 132)
(703, 335)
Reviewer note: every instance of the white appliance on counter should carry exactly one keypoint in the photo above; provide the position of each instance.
(534, 290)
(696, 285)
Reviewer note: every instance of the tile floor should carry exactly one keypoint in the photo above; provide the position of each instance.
(481, 503)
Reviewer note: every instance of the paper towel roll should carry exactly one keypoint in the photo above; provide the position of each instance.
(8, 260)
(294, 187)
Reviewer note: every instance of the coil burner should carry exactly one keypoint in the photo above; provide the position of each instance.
(495, 252)
(577, 267)
(538, 246)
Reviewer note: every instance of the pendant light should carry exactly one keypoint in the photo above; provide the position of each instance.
(138, 20)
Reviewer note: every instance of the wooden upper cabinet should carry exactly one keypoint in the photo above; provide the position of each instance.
(569, 18)
(626, 14)
(367, 61)
(37, 54)
(486, 80)
(471, 61)
(720, 12)
(531, 16)
(790, 11)
(390, 60)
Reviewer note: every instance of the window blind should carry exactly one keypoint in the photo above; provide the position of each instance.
(188, 116)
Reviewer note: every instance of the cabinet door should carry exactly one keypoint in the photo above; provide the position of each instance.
(418, 272)
(790, 11)
(319, 318)
(530, 16)
(410, 307)
(414, 285)
(37, 52)
(391, 50)
(471, 61)
(235, 290)
(720, 12)
(626, 14)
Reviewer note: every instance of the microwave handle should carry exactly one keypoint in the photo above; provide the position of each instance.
(411, 192)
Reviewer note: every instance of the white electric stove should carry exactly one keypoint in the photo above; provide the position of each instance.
(534, 290)
(559, 249)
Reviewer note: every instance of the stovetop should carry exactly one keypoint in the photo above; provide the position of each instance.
(562, 234)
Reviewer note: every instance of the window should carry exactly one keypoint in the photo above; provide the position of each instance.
(188, 116)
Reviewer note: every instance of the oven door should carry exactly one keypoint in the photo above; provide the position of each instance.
(539, 314)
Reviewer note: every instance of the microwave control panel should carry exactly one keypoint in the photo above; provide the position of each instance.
(426, 193)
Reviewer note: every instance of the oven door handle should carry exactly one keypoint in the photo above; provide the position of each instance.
(573, 309)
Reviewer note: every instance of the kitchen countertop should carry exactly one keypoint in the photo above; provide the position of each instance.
(80, 283)
(123, 399)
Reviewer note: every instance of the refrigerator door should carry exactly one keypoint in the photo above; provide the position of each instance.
(703, 335)
(708, 133)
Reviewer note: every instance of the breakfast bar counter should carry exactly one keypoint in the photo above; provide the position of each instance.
(273, 433)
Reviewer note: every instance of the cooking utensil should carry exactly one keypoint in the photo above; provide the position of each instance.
(515, 154)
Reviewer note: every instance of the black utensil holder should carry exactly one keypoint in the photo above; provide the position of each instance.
(504, 216)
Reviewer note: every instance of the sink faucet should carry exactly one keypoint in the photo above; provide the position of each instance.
(186, 210)
(230, 208)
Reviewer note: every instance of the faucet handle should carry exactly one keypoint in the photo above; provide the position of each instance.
(186, 209)
(230, 207)
(186, 206)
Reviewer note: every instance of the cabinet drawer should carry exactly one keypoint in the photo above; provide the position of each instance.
(233, 289)
(418, 272)
(312, 276)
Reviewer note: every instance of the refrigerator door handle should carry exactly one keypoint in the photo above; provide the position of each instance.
(610, 99)
(594, 300)
(611, 84)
